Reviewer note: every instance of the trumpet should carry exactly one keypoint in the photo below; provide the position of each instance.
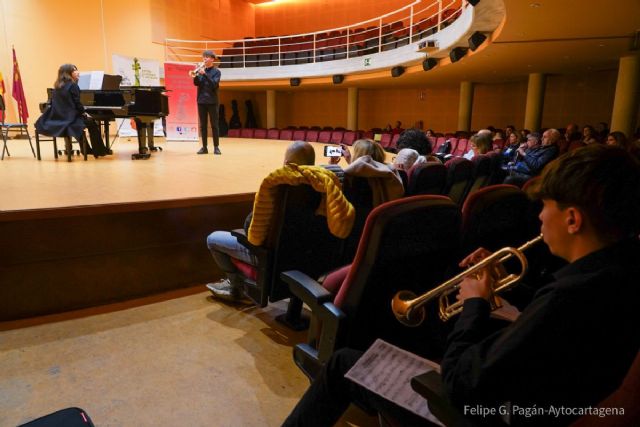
(196, 70)
(408, 308)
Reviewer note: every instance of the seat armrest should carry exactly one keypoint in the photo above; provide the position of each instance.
(259, 251)
(305, 288)
(429, 385)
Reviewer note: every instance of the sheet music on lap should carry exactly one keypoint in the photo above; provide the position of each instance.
(387, 371)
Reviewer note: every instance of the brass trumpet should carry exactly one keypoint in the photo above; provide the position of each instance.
(196, 70)
(409, 309)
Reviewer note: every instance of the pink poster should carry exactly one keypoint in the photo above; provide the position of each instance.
(182, 122)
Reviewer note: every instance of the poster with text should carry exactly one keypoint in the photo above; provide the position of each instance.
(136, 72)
(182, 123)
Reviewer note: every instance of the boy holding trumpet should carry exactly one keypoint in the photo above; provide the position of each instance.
(207, 78)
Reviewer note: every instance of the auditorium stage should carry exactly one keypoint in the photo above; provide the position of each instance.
(80, 234)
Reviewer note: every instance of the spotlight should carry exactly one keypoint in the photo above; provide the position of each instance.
(429, 63)
(456, 54)
(476, 40)
(397, 71)
(337, 79)
(295, 81)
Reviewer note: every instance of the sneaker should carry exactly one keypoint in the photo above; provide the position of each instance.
(225, 291)
(203, 150)
(216, 150)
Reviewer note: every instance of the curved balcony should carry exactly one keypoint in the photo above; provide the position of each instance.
(402, 37)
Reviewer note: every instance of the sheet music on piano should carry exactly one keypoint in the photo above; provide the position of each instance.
(91, 80)
(387, 371)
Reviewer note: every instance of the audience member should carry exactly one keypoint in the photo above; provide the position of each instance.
(416, 139)
(589, 135)
(368, 161)
(224, 246)
(531, 160)
(480, 143)
(572, 133)
(618, 138)
(561, 352)
(406, 158)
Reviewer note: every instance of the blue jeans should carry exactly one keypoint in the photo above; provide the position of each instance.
(224, 246)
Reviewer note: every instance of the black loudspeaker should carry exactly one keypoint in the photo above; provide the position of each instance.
(337, 79)
(473, 2)
(456, 54)
(397, 71)
(429, 63)
(294, 81)
(476, 40)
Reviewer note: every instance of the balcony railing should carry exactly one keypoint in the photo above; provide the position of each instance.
(401, 27)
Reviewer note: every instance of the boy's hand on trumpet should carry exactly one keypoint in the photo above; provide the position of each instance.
(476, 285)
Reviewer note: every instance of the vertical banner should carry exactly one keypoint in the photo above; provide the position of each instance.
(18, 91)
(182, 123)
(136, 72)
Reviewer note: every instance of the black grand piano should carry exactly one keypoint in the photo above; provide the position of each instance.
(142, 103)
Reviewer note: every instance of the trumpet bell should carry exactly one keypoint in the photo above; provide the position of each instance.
(404, 311)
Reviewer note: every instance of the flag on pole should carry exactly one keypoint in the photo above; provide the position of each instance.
(2, 91)
(18, 91)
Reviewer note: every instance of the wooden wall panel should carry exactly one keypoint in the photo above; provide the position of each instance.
(66, 259)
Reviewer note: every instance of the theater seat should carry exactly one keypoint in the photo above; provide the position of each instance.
(406, 244)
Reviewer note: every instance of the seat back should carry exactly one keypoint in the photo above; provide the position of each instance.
(426, 178)
(316, 253)
(481, 174)
(358, 191)
(407, 244)
(459, 172)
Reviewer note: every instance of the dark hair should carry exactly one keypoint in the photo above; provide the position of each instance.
(621, 139)
(64, 75)
(209, 54)
(416, 139)
(603, 182)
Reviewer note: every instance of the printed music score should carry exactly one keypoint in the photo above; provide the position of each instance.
(387, 371)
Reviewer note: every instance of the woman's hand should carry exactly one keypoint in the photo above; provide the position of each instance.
(346, 153)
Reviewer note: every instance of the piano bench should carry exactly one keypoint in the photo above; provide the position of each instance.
(68, 151)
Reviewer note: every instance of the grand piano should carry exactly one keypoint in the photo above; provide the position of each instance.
(142, 103)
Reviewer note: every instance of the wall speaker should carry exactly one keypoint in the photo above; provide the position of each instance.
(473, 2)
(456, 54)
(429, 63)
(397, 71)
(476, 40)
(295, 81)
(337, 79)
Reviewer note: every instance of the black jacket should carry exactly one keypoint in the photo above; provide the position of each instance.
(208, 85)
(65, 115)
(571, 347)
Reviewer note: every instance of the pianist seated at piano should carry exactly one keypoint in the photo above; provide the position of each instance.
(66, 115)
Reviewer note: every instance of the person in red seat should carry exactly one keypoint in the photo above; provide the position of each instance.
(224, 246)
(571, 346)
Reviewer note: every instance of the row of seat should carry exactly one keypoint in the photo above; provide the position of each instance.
(411, 244)
(333, 45)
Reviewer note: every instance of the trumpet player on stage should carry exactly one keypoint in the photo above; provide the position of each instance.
(570, 348)
(207, 78)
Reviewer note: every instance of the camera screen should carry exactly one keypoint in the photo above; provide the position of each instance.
(332, 151)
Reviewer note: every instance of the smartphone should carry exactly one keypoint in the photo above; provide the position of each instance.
(332, 151)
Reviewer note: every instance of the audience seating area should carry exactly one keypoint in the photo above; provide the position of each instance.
(373, 36)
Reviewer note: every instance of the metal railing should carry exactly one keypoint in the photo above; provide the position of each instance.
(401, 27)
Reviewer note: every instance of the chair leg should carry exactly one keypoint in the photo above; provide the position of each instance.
(68, 147)
(84, 145)
(30, 144)
(38, 146)
(55, 148)
(4, 147)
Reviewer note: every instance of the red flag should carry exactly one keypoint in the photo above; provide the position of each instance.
(18, 91)
(2, 90)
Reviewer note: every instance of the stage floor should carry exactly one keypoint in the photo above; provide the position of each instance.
(175, 173)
